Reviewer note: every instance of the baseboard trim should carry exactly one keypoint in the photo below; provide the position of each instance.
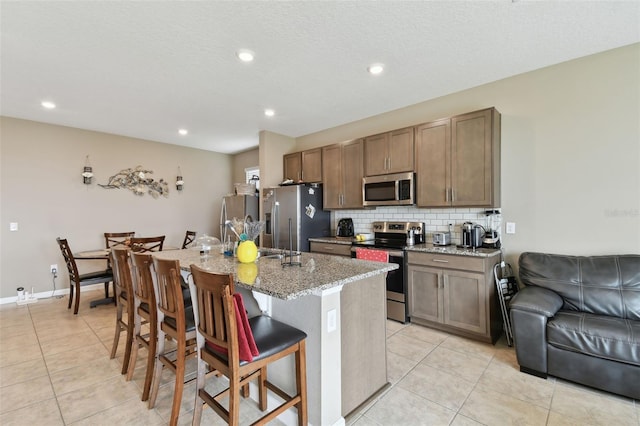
(50, 294)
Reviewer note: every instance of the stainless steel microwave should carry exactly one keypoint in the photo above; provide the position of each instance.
(389, 190)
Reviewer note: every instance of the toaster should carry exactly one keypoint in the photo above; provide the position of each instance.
(441, 238)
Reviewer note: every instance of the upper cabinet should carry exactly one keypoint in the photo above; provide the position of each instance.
(342, 168)
(458, 161)
(433, 164)
(390, 152)
(305, 166)
(292, 165)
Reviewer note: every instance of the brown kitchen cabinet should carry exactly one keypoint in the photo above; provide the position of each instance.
(330, 248)
(454, 293)
(458, 161)
(343, 171)
(304, 166)
(390, 152)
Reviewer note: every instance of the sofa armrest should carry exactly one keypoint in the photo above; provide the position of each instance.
(537, 300)
(530, 309)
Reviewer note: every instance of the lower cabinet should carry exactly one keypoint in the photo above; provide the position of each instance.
(454, 293)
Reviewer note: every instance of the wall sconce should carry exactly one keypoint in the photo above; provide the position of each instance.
(87, 174)
(179, 181)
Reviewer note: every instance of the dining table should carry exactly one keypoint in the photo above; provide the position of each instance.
(103, 254)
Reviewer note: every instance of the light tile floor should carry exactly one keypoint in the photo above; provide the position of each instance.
(55, 370)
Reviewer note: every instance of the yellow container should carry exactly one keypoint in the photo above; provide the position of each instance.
(247, 251)
(247, 273)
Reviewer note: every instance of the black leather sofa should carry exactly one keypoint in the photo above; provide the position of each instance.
(578, 318)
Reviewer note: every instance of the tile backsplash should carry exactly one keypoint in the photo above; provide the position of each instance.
(434, 219)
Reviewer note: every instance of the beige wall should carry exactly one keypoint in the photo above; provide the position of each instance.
(243, 161)
(272, 147)
(570, 151)
(42, 190)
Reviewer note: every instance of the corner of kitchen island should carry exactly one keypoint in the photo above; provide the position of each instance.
(340, 303)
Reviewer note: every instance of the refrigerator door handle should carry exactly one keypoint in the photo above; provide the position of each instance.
(275, 227)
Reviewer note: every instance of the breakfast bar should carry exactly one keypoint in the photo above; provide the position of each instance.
(340, 304)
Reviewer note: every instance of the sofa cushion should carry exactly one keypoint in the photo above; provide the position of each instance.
(605, 285)
(601, 336)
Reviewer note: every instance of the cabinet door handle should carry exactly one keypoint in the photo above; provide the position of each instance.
(453, 196)
(440, 260)
(446, 195)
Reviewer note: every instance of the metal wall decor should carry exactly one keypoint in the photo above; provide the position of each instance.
(136, 180)
(87, 173)
(179, 180)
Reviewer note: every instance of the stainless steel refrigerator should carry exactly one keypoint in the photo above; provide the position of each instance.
(238, 206)
(294, 213)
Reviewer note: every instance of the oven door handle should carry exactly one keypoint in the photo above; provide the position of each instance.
(391, 253)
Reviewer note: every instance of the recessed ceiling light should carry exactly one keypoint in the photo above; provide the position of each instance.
(183, 132)
(375, 69)
(48, 104)
(245, 55)
(269, 112)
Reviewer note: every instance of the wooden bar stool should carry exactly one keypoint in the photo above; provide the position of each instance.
(222, 323)
(145, 311)
(124, 301)
(176, 321)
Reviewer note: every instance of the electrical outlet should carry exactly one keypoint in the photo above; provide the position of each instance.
(54, 269)
(331, 321)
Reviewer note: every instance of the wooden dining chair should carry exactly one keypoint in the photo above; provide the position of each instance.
(147, 244)
(77, 280)
(189, 236)
(117, 239)
(175, 320)
(145, 311)
(220, 318)
(124, 301)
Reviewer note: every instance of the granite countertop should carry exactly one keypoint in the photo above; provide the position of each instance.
(318, 271)
(454, 250)
(426, 247)
(333, 240)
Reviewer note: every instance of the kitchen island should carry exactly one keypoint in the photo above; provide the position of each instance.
(340, 304)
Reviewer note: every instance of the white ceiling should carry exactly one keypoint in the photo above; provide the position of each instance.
(146, 69)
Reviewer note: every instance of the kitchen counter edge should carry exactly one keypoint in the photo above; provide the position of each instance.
(454, 250)
(424, 248)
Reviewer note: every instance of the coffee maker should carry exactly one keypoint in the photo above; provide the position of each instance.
(472, 234)
(492, 229)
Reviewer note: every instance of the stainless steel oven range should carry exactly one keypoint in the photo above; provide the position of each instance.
(392, 238)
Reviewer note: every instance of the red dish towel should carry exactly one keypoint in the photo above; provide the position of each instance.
(246, 344)
(375, 255)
